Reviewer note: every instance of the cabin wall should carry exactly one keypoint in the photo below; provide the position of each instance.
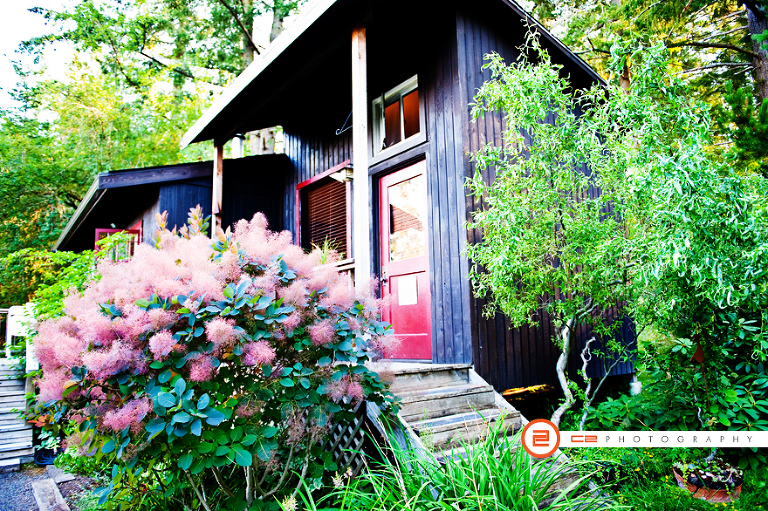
(506, 357)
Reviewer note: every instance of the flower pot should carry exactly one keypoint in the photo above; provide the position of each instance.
(708, 494)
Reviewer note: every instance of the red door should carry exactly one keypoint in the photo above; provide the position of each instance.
(404, 264)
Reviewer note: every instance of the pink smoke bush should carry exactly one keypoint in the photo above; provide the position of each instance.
(245, 331)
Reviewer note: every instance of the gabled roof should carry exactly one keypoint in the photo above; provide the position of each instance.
(306, 35)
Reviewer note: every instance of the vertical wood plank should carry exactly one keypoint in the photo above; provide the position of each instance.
(217, 198)
(361, 247)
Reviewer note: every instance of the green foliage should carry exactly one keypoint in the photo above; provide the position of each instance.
(643, 480)
(43, 277)
(496, 474)
(745, 123)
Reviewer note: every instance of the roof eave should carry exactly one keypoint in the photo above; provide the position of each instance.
(92, 196)
(298, 27)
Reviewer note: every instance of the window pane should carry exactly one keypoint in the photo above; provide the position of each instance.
(392, 124)
(327, 216)
(407, 216)
(411, 113)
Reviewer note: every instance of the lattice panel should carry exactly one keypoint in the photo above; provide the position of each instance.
(346, 443)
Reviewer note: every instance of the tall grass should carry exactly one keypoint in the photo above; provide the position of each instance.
(496, 474)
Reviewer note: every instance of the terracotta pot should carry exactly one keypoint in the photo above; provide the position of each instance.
(707, 494)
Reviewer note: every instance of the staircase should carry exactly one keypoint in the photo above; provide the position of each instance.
(448, 406)
(15, 433)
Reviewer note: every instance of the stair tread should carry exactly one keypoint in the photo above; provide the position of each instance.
(488, 414)
(10, 462)
(442, 392)
(12, 392)
(15, 427)
(16, 446)
(432, 368)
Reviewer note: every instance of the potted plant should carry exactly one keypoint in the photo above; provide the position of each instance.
(48, 448)
(712, 479)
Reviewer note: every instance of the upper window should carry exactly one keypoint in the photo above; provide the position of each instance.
(396, 115)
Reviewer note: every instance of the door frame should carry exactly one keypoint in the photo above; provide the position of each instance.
(377, 174)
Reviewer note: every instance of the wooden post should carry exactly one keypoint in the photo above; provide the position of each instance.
(218, 187)
(361, 208)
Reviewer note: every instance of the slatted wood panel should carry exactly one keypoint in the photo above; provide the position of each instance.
(327, 215)
(507, 357)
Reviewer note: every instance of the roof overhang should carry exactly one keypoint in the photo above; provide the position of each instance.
(267, 73)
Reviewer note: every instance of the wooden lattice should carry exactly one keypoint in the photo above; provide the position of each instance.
(346, 443)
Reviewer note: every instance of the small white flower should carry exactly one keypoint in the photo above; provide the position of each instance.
(290, 504)
(338, 482)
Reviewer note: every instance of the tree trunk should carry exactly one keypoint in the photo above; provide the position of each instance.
(564, 332)
(278, 15)
(757, 21)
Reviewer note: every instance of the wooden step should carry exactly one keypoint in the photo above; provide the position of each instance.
(423, 376)
(10, 464)
(16, 446)
(16, 436)
(19, 425)
(11, 384)
(4, 409)
(9, 415)
(5, 392)
(16, 401)
(17, 453)
(442, 401)
(454, 430)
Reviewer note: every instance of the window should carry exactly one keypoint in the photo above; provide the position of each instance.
(325, 211)
(396, 115)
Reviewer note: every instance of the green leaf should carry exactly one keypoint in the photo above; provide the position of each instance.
(109, 446)
(185, 461)
(182, 417)
(222, 450)
(243, 457)
(204, 447)
(155, 426)
(203, 401)
(180, 386)
(345, 346)
(264, 449)
(215, 417)
(286, 382)
(304, 383)
(166, 399)
(142, 302)
(324, 361)
(157, 364)
(236, 434)
(269, 431)
(164, 376)
(249, 439)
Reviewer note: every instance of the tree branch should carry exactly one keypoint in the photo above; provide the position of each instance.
(203, 502)
(222, 484)
(716, 65)
(702, 44)
(240, 24)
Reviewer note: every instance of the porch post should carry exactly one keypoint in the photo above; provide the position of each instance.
(361, 208)
(218, 187)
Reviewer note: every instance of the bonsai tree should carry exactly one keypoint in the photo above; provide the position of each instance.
(211, 373)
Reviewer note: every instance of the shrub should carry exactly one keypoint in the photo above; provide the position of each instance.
(212, 372)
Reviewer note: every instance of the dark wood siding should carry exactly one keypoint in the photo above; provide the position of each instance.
(524, 356)
(312, 152)
(445, 124)
(251, 185)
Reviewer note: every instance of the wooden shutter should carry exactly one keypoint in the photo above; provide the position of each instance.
(327, 216)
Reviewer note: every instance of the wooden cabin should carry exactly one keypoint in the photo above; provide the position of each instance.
(374, 100)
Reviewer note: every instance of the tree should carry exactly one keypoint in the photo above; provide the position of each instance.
(557, 233)
(143, 41)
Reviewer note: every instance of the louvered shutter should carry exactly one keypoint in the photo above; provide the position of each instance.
(327, 215)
